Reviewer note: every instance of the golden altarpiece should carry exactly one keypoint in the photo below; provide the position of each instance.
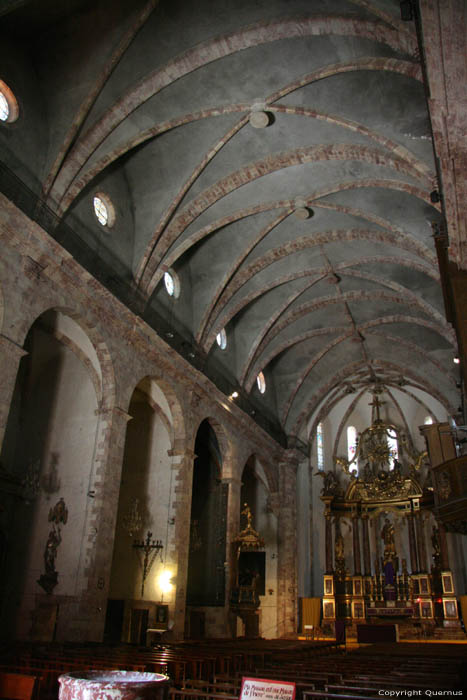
(384, 496)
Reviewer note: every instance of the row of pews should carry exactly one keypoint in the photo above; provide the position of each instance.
(213, 669)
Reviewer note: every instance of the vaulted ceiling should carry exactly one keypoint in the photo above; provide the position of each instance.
(276, 155)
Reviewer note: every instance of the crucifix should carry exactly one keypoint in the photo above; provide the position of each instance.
(376, 403)
(150, 548)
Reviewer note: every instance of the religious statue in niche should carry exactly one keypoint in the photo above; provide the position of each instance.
(339, 555)
(57, 515)
(387, 535)
(390, 562)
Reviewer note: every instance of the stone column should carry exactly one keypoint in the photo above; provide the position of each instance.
(96, 565)
(366, 546)
(421, 543)
(10, 357)
(328, 541)
(412, 544)
(443, 547)
(357, 563)
(287, 546)
(233, 528)
(182, 464)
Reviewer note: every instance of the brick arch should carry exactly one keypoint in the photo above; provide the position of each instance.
(225, 446)
(158, 411)
(271, 482)
(108, 383)
(177, 430)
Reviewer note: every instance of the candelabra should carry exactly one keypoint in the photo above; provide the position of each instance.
(148, 550)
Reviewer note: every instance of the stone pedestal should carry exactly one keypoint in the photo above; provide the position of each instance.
(119, 685)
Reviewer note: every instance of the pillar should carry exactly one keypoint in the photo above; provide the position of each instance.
(421, 543)
(182, 464)
(233, 528)
(412, 543)
(357, 564)
(88, 625)
(287, 546)
(10, 357)
(366, 546)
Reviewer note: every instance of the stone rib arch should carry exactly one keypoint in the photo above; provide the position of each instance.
(263, 333)
(398, 341)
(383, 64)
(205, 53)
(272, 257)
(156, 271)
(345, 374)
(304, 309)
(266, 166)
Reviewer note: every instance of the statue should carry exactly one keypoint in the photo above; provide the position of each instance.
(57, 514)
(50, 553)
(330, 484)
(387, 535)
(247, 511)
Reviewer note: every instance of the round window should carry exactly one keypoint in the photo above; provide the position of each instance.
(104, 210)
(8, 105)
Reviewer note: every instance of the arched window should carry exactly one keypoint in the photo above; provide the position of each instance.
(221, 339)
(428, 420)
(393, 451)
(104, 210)
(319, 446)
(172, 284)
(8, 105)
(352, 445)
(261, 383)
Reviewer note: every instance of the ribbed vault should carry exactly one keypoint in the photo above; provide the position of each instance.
(308, 239)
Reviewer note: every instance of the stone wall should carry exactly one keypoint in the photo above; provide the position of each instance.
(37, 275)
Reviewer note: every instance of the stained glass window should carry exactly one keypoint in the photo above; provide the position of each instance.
(393, 450)
(352, 445)
(320, 446)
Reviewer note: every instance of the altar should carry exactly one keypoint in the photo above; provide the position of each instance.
(398, 572)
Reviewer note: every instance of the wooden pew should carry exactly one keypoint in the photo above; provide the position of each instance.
(17, 686)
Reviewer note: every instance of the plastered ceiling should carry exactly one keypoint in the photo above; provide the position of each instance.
(309, 239)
